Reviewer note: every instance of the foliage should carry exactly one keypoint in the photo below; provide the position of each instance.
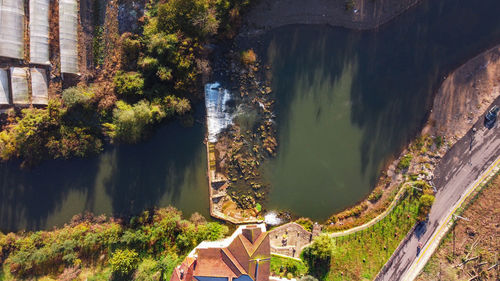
(248, 57)
(438, 141)
(306, 223)
(375, 195)
(281, 266)
(349, 5)
(131, 122)
(77, 95)
(129, 83)
(405, 162)
(159, 74)
(124, 262)
(361, 255)
(39, 133)
(424, 206)
(148, 270)
(149, 236)
(318, 255)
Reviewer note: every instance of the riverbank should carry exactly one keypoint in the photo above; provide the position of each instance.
(352, 14)
(464, 96)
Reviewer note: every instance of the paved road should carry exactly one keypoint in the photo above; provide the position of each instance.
(458, 169)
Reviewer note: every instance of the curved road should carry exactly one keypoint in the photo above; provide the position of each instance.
(456, 172)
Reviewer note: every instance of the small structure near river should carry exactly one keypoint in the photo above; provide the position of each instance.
(291, 238)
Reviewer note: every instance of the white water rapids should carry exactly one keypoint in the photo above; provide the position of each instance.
(218, 116)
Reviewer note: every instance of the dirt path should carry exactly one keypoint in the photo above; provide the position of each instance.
(364, 14)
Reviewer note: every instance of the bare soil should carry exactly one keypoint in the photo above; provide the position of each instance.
(364, 14)
(477, 243)
(465, 95)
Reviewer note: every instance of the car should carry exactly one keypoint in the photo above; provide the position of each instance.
(491, 117)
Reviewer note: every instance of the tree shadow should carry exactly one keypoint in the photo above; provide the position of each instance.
(167, 169)
(394, 73)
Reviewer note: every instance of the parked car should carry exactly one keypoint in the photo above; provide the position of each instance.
(491, 117)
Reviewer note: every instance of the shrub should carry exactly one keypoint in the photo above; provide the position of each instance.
(77, 95)
(130, 50)
(438, 141)
(405, 162)
(424, 206)
(306, 223)
(375, 195)
(318, 256)
(129, 83)
(148, 270)
(124, 262)
(248, 57)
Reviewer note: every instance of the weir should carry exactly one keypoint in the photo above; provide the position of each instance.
(219, 118)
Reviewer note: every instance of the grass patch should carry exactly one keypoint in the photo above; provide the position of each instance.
(286, 267)
(361, 255)
(405, 162)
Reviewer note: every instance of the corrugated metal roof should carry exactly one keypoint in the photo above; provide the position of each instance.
(68, 35)
(19, 85)
(39, 86)
(12, 28)
(4, 87)
(39, 31)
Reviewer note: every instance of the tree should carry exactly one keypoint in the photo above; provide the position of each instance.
(318, 256)
(129, 83)
(124, 262)
(424, 206)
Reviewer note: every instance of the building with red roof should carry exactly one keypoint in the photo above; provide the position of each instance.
(245, 256)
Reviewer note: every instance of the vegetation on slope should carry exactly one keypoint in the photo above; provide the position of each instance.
(361, 255)
(149, 245)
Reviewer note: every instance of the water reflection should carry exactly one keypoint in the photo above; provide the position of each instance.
(168, 169)
(350, 100)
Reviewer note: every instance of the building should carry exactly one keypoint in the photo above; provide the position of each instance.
(245, 256)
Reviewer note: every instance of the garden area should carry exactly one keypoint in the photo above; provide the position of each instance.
(361, 255)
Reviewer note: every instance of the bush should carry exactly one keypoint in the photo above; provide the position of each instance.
(306, 223)
(375, 195)
(131, 48)
(405, 162)
(124, 262)
(318, 256)
(424, 206)
(148, 270)
(77, 95)
(248, 57)
(129, 83)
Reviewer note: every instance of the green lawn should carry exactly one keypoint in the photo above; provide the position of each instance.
(361, 255)
(284, 267)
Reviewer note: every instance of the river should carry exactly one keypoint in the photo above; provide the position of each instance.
(347, 101)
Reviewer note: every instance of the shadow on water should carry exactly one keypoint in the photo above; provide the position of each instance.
(168, 169)
(348, 101)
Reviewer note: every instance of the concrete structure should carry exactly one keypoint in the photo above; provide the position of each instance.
(245, 256)
(291, 238)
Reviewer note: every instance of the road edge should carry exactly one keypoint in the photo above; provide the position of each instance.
(445, 225)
